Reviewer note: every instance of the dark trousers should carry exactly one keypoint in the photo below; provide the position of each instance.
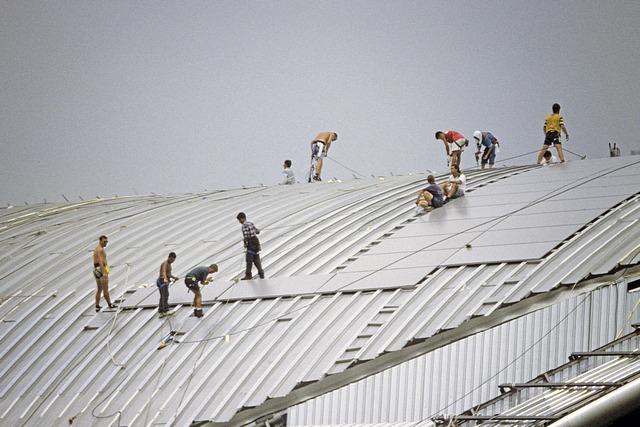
(163, 307)
(253, 258)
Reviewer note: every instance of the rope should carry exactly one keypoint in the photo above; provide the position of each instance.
(582, 156)
(346, 167)
(113, 322)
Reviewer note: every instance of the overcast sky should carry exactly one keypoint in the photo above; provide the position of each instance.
(117, 97)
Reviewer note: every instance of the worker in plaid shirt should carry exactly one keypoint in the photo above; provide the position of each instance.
(252, 246)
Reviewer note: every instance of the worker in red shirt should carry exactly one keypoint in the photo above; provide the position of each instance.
(454, 143)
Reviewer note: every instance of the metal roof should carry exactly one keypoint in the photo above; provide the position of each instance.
(465, 373)
(321, 320)
(556, 393)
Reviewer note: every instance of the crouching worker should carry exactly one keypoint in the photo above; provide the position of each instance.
(196, 277)
(163, 284)
(430, 197)
(455, 185)
(454, 143)
(490, 144)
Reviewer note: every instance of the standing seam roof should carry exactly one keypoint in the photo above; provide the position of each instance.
(258, 349)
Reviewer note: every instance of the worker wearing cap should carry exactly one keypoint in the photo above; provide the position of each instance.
(196, 277)
(490, 144)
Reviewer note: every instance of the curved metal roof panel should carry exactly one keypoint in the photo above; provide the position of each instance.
(339, 304)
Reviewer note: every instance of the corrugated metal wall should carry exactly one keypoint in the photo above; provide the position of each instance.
(466, 373)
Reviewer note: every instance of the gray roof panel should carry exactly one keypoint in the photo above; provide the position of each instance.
(283, 339)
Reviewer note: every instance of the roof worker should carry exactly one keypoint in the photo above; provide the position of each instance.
(455, 185)
(553, 125)
(252, 247)
(289, 178)
(196, 277)
(319, 150)
(101, 272)
(490, 144)
(164, 278)
(430, 197)
(454, 143)
(548, 158)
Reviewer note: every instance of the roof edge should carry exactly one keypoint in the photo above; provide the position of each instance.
(362, 369)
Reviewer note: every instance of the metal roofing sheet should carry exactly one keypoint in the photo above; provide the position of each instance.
(466, 373)
(46, 287)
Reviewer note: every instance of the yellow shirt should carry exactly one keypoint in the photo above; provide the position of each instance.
(553, 123)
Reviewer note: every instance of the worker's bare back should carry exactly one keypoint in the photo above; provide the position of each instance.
(325, 137)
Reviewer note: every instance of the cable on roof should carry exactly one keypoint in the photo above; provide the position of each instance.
(164, 362)
(115, 316)
(346, 167)
(195, 364)
(581, 156)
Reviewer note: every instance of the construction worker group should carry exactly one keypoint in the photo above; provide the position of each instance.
(432, 196)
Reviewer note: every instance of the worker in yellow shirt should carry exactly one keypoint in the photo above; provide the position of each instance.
(553, 125)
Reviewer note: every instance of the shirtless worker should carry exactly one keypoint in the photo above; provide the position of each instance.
(319, 150)
(101, 272)
(163, 281)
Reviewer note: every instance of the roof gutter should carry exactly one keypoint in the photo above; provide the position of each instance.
(614, 405)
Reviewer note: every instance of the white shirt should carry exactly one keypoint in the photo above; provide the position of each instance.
(462, 179)
(288, 178)
(552, 160)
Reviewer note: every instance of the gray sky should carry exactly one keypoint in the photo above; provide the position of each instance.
(103, 98)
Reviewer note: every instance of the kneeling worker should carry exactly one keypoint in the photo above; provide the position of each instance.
(193, 279)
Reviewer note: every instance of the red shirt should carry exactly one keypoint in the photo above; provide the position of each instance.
(452, 136)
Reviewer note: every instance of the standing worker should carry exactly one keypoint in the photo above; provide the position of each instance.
(252, 247)
(490, 144)
(553, 125)
(101, 272)
(193, 279)
(319, 150)
(163, 284)
(454, 143)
